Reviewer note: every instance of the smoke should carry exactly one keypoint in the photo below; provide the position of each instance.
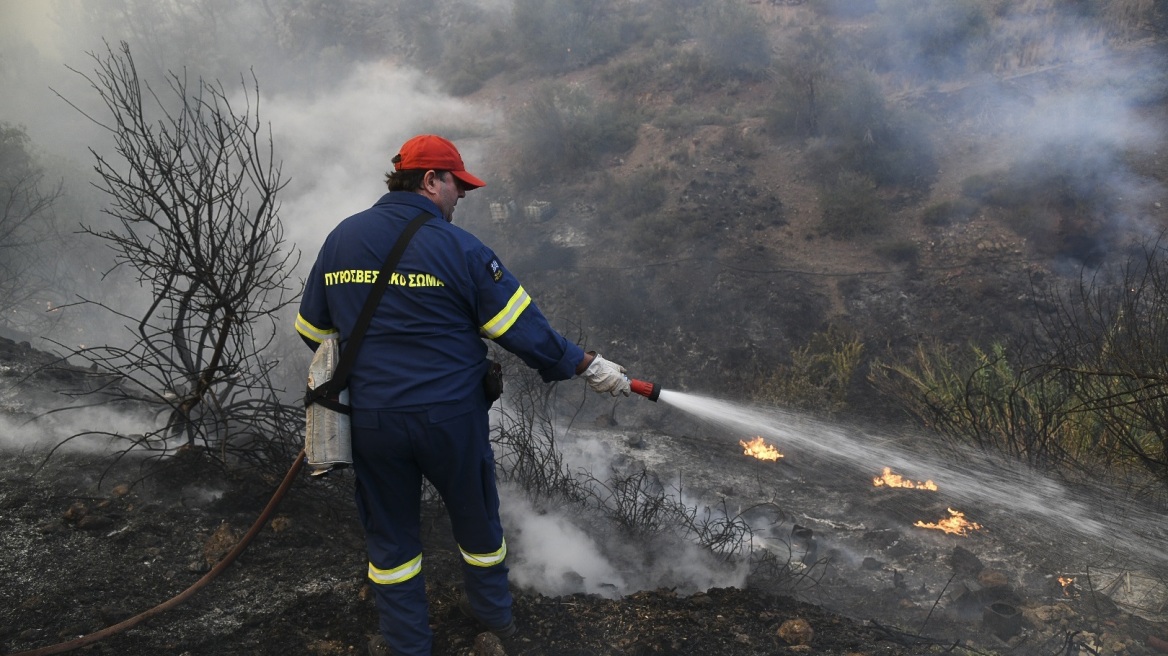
(337, 142)
(87, 431)
(1052, 105)
(556, 548)
(557, 551)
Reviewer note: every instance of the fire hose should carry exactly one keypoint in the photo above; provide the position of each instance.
(643, 388)
(260, 521)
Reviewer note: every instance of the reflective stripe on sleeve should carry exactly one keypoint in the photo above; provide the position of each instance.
(399, 574)
(312, 332)
(503, 321)
(485, 560)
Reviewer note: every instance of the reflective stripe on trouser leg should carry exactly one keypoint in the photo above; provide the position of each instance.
(485, 560)
(399, 574)
(400, 593)
(484, 579)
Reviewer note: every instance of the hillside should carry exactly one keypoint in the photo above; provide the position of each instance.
(716, 243)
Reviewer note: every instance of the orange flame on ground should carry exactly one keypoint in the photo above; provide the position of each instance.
(896, 480)
(956, 524)
(759, 449)
(1068, 583)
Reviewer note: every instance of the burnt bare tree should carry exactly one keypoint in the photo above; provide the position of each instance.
(26, 227)
(192, 188)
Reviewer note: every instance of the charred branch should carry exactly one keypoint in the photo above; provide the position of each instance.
(192, 185)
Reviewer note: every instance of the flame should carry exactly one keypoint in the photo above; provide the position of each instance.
(956, 524)
(760, 449)
(896, 480)
(1068, 583)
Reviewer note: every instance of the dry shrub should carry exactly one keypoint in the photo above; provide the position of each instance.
(820, 373)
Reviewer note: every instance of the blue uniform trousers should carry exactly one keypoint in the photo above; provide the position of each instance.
(450, 445)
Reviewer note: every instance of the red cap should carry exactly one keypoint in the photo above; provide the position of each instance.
(429, 151)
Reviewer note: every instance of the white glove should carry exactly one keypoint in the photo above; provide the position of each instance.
(604, 376)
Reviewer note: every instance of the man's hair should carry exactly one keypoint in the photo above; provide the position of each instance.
(409, 179)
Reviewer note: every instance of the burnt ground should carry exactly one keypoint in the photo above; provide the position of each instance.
(80, 557)
(86, 546)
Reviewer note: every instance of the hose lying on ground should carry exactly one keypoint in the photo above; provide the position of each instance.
(96, 636)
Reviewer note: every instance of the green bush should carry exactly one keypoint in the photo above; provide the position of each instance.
(668, 21)
(851, 208)
(820, 373)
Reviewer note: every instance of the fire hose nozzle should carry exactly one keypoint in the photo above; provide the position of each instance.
(646, 389)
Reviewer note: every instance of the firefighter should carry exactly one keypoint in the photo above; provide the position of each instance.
(416, 391)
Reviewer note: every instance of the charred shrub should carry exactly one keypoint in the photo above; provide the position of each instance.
(28, 232)
(482, 52)
(562, 129)
(948, 212)
(806, 65)
(851, 207)
(995, 188)
(861, 132)
(936, 38)
(733, 40)
(637, 194)
(1063, 195)
(903, 251)
(562, 35)
(661, 233)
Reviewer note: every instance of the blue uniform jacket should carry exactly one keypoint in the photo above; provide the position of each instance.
(425, 344)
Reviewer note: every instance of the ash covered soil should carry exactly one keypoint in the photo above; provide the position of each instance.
(81, 555)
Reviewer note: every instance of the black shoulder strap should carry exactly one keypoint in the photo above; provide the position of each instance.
(340, 379)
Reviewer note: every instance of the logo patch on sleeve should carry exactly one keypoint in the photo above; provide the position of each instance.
(496, 270)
